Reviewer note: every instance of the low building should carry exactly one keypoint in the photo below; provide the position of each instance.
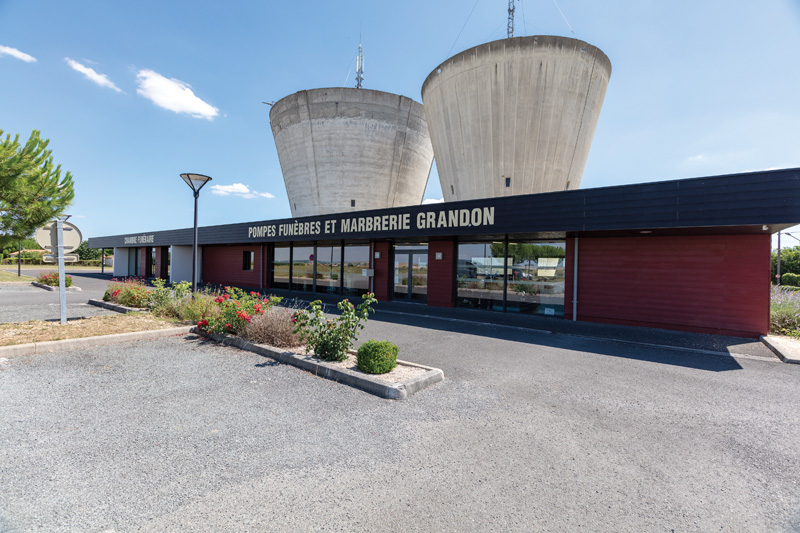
(691, 254)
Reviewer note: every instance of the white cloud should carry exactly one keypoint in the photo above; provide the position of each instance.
(13, 52)
(173, 95)
(238, 189)
(433, 201)
(91, 75)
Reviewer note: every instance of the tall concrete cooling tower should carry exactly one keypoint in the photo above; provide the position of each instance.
(515, 116)
(346, 149)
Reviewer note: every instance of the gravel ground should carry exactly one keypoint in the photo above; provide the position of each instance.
(527, 432)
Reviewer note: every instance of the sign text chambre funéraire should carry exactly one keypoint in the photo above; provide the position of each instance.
(445, 218)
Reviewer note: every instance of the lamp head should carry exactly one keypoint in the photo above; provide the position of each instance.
(195, 181)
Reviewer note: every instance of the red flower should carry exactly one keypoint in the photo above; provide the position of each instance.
(219, 299)
(228, 326)
(227, 297)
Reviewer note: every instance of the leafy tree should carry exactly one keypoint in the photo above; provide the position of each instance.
(85, 253)
(790, 262)
(32, 190)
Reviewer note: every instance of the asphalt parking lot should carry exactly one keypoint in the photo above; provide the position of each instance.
(20, 302)
(529, 431)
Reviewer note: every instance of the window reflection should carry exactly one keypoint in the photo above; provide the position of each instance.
(356, 259)
(329, 265)
(303, 268)
(533, 275)
(280, 267)
(479, 275)
(536, 281)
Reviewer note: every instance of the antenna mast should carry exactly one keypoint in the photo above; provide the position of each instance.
(510, 18)
(359, 65)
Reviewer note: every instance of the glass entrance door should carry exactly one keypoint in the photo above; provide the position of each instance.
(411, 273)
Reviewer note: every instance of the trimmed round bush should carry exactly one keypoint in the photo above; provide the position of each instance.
(377, 357)
(787, 278)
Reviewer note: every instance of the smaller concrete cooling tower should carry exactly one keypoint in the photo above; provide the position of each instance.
(515, 116)
(344, 149)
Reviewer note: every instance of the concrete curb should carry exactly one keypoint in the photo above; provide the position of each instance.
(372, 385)
(782, 348)
(88, 342)
(49, 288)
(116, 307)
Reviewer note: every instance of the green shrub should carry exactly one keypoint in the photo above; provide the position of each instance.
(52, 279)
(790, 279)
(377, 357)
(235, 309)
(331, 338)
(129, 292)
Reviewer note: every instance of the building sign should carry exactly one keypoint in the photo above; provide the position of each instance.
(342, 225)
(140, 239)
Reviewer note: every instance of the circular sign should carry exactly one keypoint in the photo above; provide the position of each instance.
(311, 257)
(47, 237)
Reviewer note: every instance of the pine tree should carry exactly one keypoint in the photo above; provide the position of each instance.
(32, 190)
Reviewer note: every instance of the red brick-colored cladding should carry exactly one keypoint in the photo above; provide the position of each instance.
(709, 284)
(223, 265)
(143, 259)
(441, 272)
(160, 258)
(382, 281)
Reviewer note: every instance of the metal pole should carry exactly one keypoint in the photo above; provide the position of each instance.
(62, 287)
(194, 247)
(102, 260)
(19, 257)
(778, 277)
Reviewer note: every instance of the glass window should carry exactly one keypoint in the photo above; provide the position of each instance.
(303, 268)
(280, 267)
(479, 275)
(536, 278)
(356, 259)
(329, 266)
(248, 259)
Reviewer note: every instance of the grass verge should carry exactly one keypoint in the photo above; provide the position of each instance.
(8, 276)
(41, 331)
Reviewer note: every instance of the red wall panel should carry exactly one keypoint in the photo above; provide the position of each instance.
(223, 265)
(712, 284)
(143, 259)
(382, 282)
(157, 266)
(441, 272)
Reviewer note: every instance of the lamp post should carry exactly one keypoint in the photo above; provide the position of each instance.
(196, 182)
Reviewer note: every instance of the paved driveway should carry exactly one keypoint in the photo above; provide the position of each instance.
(528, 432)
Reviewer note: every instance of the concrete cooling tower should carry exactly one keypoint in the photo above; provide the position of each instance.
(515, 116)
(345, 149)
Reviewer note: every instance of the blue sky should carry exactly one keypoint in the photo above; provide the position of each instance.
(131, 94)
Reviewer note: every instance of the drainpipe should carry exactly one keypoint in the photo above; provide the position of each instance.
(575, 283)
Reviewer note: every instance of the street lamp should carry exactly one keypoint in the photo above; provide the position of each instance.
(196, 182)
